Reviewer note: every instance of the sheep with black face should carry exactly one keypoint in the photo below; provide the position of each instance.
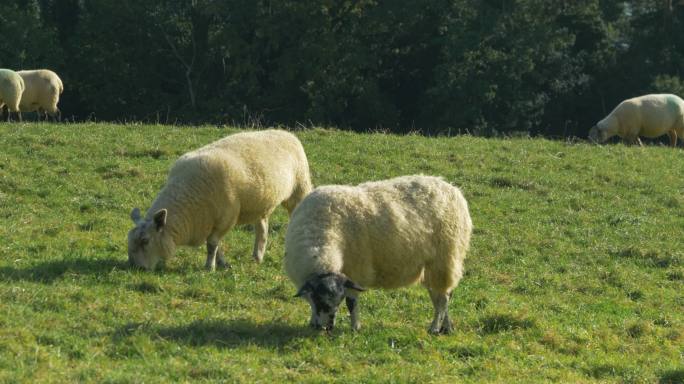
(385, 234)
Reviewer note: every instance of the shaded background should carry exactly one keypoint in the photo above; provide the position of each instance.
(487, 67)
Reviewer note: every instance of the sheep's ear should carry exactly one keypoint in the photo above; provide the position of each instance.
(304, 290)
(135, 215)
(160, 218)
(352, 285)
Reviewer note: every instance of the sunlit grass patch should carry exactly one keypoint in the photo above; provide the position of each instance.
(575, 263)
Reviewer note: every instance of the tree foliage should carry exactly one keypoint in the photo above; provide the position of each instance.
(486, 67)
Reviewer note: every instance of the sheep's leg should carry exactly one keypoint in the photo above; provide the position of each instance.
(212, 251)
(54, 116)
(673, 138)
(441, 323)
(261, 229)
(18, 113)
(638, 141)
(631, 140)
(220, 260)
(447, 325)
(352, 304)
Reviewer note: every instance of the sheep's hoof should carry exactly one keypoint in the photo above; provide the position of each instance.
(223, 265)
(443, 330)
(356, 327)
(258, 258)
(446, 329)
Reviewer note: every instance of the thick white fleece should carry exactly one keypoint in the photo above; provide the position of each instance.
(384, 234)
(648, 116)
(43, 88)
(236, 180)
(11, 89)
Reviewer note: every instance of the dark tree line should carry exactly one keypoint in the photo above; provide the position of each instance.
(482, 66)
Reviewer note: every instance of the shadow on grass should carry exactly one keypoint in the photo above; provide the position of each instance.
(675, 376)
(53, 270)
(606, 371)
(497, 323)
(222, 334)
(648, 258)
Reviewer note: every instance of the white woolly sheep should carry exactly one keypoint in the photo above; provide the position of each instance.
(239, 179)
(385, 234)
(11, 90)
(41, 95)
(648, 116)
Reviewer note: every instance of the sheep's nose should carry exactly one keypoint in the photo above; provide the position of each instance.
(132, 264)
(331, 325)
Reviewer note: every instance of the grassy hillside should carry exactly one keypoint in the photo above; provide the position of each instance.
(576, 272)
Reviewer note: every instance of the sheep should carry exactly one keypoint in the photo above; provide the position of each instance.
(649, 116)
(239, 179)
(11, 89)
(385, 234)
(43, 88)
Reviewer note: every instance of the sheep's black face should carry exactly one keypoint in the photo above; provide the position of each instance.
(325, 293)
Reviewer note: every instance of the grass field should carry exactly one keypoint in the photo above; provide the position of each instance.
(576, 271)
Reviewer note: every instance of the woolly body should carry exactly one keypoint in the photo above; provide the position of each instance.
(239, 179)
(648, 116)
(11, 89)
(384, 234)
(43, 88)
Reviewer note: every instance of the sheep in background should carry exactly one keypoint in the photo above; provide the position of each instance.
(239, 179)
(43, 88)
(11, 89)
(648, 116)
(385, 234)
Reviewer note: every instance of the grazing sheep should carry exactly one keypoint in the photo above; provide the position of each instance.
(11, 89)
(384, 234)
(649, 116)
(239, 179)
(43, 88)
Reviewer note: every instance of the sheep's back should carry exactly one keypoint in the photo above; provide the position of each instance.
(256, 169)
(386, 232)
(650, 115)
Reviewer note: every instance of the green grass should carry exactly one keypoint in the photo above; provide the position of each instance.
(576, 272)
